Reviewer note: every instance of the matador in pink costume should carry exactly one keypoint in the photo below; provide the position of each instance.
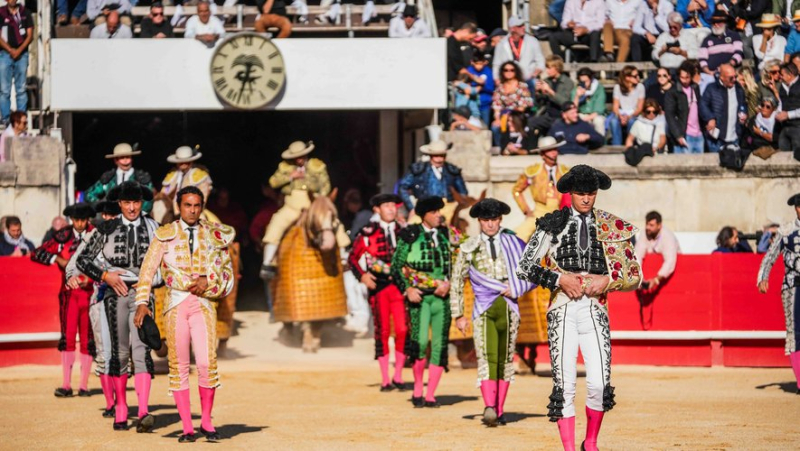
(192, 255)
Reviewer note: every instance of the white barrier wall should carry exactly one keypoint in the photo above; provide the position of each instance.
(321, 74)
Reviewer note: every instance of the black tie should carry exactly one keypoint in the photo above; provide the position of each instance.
(191, 240)
(432, 233)
(552, 176)
(492, 249)
(131, 237)
(584, 238)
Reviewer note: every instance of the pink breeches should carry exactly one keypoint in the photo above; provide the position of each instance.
(192, 324)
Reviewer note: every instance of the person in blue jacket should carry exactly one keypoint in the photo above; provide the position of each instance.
(432, 178)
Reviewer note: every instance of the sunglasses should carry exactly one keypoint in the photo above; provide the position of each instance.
(509, 70)
(634, 75)
(774, 72)
(663, 76)
(767, 105)
(650, 112)
(157, 14)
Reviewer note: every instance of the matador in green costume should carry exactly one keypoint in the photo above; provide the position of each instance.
(421, 268)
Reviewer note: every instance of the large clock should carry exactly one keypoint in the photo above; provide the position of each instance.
(247, 71)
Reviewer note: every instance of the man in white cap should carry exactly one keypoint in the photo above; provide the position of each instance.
(296, 176)
(186, 173)
(540, 179)
(521, 48)
(432, 178)
(122, 156)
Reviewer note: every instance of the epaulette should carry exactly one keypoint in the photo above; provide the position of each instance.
(143, 177)
(410, 233)
(108, 227)
(613, 228)
(221, 235)
(167, 232)
(108, 176)
(315, 165)
(564, 168)
(554, 222)
(170, 177)
(471, 244)
(197, 175)
(532, 170)
(63, 234)
(418, 167)
(453, 169)
(508, 232)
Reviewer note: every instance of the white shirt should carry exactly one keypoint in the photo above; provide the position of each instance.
(656, 24)
(551, 171)
(730, 133)
(101, 32)
(135, 223)
(497, 247)
(437, 172)
(622, 13)
(123, 176)
(775, 47)
(428, 232)
(398, 29)
(388, 229)
(195, 28)
(581, 225)
(687, 43)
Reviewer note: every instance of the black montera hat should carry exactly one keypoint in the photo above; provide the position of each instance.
(130, 191)
(81, 210)
(489, 209)
(794, 201)
(379, 199)
(428, 204)
(583, 179)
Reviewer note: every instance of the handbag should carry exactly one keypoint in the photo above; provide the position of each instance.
(731, 156)
(636, 153)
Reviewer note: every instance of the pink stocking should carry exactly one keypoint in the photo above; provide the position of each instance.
(434, 375)
(419, 372)
(594, 419)
(86, 368)
(206, 405)
(795, 359)
(399, 362)
(184, 409)
(502, 392)
(142, 383)
(67, 360)
(566, 428)
(383, 362)
(108, 390)
(120, 385)
(489, 392)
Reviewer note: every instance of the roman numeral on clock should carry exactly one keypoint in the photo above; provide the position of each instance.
(221, 83)
(272, 84)
(274, 54)
(277, 70)
(217, 70)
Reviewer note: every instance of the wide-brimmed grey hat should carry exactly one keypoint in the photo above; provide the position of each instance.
(184, 154)
(297, 149)
(123, 150)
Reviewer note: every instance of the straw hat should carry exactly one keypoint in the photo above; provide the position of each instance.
(547, 143)
(796, 17)
(297, 149)
(435, 148)
(769, 21)
(124, 150)
(184, 154)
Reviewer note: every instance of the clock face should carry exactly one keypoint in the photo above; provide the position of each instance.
(247, 71)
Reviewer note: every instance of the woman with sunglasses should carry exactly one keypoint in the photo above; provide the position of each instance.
(770, 79)
(511, 94)
(762, 130)
(658, 90)
(628, 101)
(648, 129)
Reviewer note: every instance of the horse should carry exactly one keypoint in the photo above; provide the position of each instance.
(309, 287)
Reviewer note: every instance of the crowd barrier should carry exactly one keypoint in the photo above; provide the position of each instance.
(708, 313)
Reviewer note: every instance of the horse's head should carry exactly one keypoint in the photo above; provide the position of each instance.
(463, 202)
(163, 210)
(320, 221)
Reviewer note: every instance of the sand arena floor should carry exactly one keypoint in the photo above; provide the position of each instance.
(276, 397)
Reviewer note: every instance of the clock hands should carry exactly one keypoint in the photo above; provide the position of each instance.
(246, 77)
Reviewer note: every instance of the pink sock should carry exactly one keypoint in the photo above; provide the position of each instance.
(434, 375)
(594, 419)
(566, 428)
(86, 368)
(489, 392)
(502, 392)
(67, 360)
(120, 385)
(184, 409)
(399, 362)
(383, 362)
(795, 359)
(108, 390)
(206, 405)
(142, 383)
(419, 372)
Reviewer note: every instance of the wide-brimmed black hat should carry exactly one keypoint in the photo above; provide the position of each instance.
(489, 209)
(107, 207)
(81, 210)
(428, 204)
(794, 201)
(583, 179)
(379, 199)
(148, 333)
(130, 191)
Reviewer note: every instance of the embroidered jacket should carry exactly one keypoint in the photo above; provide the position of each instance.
(418, 259)
(554, 249)
(421, 181)
(537, 180)
(315, 180)
(64, 244)
(373, 251)
(786, 241)
(111, 243)
(170, 253)
(108, 181)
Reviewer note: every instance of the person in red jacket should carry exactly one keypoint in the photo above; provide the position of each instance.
(370, 261)
(73, 303)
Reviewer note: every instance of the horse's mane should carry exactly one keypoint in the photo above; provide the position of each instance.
(313, 219)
